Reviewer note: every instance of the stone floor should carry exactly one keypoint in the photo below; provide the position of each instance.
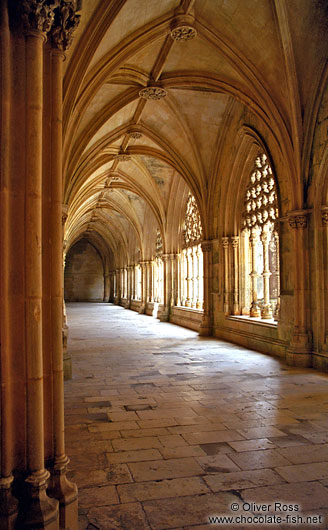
(166, 429)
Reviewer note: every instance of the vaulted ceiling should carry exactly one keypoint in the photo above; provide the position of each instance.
(129, 161)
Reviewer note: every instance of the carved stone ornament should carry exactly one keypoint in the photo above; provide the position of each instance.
(225, 242)
(235, 242)
(37, 15)
(183, 33)
(64, 213)
(324, 216)
(298, 221)
(159, 243)
(135, 135)
(206, 246)
(65, 23)
(152, 92)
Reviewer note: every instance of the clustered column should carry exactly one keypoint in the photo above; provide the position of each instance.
(300, 344)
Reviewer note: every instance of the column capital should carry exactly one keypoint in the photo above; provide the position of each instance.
(235, 241)
(225, 242)
(65, 23)
(298, 218)
(37, 16)
(206, 246)
(324, 215)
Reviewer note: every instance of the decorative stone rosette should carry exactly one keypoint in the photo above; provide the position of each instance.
(152, 92)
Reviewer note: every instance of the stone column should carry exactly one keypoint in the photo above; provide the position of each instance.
(226, 289)
(129, 283)
(61, 488)
(143, 287)
(299, 351)
(106, 287)
(206, 324)
(188, 278)
(118, 287)
(197, 279)
(324, 228)
(8, 503)
(235, 247)
(254, 309)
(276, 314)
(165, 314)
(193, 283)
(40, 510)
(267, 309)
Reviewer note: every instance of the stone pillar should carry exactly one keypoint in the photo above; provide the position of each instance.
(118, 287)
(324, 228)
(226, 289)
(143, 287)
(267, 309)
(8, 503)
(149, 281)
(174, 279)
(254, 309)
(63, 490)
(106, 287)
(197, 279)
(206, 325)
(40, 510)
(235, 247)
(299, 351)
(276, 314)
(188, 278)
(165, 314)
(128, 288)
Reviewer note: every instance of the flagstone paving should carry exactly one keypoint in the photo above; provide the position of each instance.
(165, 429)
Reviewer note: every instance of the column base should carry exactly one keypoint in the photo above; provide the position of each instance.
(65, 492)
(205, 328)
(299, 352)
(8, 504)
(266, 312)
(142, 309)
(38, 510)
(67, 366)
(165, 315)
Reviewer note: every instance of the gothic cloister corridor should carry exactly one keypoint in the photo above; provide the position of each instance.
(165, 428)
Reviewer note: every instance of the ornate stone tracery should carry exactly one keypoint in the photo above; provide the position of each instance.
(261, 241)
(193, 232)
(159, 243)
(261, 205)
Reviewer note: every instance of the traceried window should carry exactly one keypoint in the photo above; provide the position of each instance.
(260, 244)
(190, 293)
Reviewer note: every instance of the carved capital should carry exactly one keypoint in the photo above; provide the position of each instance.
(235, 241)
(225, 242)
(65, 22)
(37, 16)
(206, 246)
(324, 215)
(297, 221)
